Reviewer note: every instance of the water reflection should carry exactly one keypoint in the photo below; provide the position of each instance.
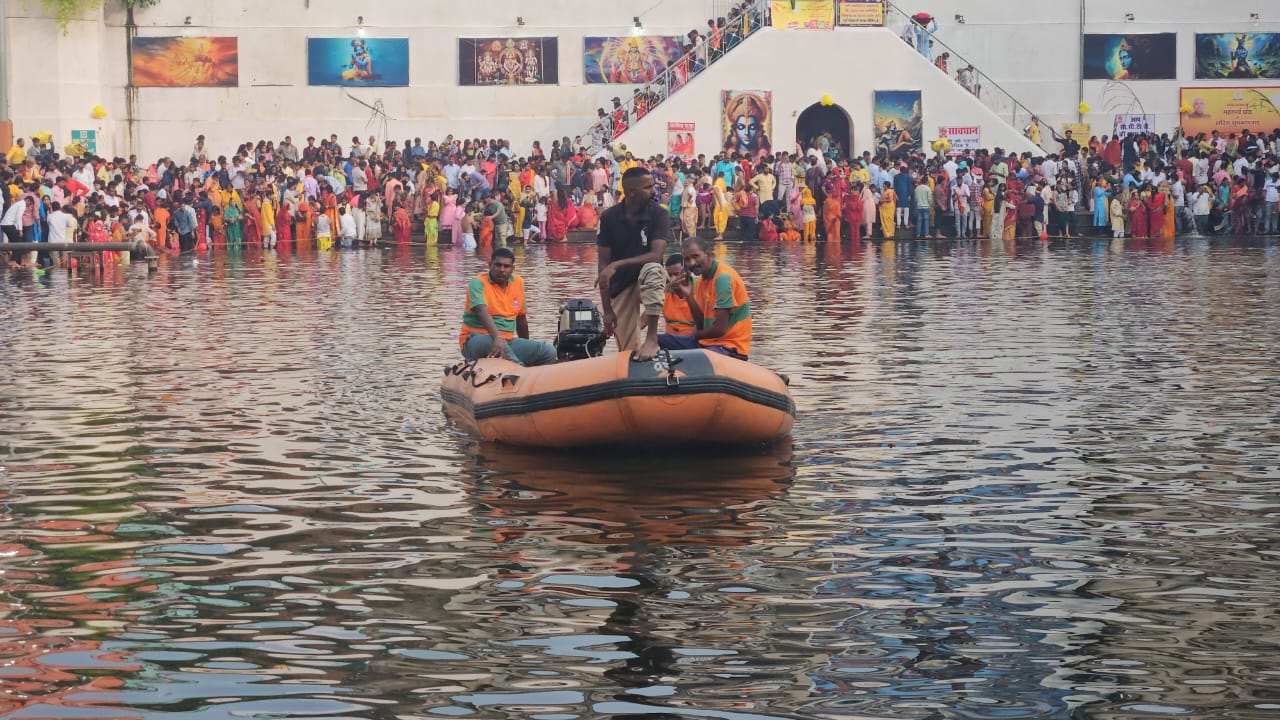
(1027, 481)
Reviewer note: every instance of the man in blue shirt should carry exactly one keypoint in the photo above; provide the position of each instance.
(478, 186)
(452, 174)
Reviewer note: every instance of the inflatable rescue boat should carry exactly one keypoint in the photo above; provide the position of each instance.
(680, 397)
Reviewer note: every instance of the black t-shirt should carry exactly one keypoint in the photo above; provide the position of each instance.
(627, 239)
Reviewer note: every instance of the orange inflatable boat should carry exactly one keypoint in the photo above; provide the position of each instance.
(682, 397)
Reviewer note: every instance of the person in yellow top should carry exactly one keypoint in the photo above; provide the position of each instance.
(17, 154)
(676, 317)
(494, 323)
(718, 303)
(268, 214)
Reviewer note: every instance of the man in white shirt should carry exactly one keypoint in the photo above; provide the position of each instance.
(1271, 202)
(11, 225)
(346, 227)
(58, 224)
(1179, 193)
(1050, 169)
(950, 166)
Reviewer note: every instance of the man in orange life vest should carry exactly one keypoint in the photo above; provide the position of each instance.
(494, 323)
(718, 303)
(677, 320)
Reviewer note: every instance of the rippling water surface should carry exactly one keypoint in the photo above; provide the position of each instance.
(1025, 482)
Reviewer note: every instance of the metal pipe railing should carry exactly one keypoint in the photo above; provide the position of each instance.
(678, 74)
(987, 90)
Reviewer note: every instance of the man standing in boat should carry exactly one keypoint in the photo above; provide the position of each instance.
(632, 239)
(719, 305)
(494, 323)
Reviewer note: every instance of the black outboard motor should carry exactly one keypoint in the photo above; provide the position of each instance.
(581, 332)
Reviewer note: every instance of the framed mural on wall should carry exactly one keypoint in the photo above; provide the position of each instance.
(1131, 57)
(898, 121)
(1222, 56)
(357, 62)
(508, 61)
(628, 59)
(747, 121)
(1230, 109)
(186, 62)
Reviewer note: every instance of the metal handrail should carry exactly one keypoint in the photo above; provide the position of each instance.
(676, 75)
(682, 71)
(982, 81)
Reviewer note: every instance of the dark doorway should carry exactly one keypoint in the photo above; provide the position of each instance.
(832, 120)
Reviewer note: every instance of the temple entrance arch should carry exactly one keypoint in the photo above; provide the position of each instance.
(832, 120)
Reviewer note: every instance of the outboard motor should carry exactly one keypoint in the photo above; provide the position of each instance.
(581, 333)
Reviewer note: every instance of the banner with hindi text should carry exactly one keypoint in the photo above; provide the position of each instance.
(860, 13)
(1230, 109)
(964, 139)
(803, 14)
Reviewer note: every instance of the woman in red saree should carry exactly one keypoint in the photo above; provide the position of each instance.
(1156, 208)
(252, 221)
(284, 223)
(561, 217)
(851, 213)
(1137, 216)
(402, 225)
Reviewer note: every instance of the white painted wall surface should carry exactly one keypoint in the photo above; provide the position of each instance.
(755, 67)
(1032, 49)
(53, 80)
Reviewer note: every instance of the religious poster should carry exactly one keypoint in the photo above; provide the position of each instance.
(747, 119)
(358, 62)
(1126, 125)
(629, 59)
(964, 139)
(860, 13)
(186, 62)
(508, 61)
(803, 14)
(680, 140)
(1131, 57)
(1230, 109)
(1222, 56)
(898, 121)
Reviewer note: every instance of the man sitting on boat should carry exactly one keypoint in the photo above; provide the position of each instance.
(631, 243)
(495, 316)
(719, 305)
(677, 320)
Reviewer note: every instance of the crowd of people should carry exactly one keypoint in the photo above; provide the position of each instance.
(481, 192)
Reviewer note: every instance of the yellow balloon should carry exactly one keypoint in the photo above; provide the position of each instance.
(1184, 108)
(1084, 107)
(827, 101)
(98, 112)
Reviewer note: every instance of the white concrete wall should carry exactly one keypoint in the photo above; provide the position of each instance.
(87, 66)
(755, 67)
(1032, 49)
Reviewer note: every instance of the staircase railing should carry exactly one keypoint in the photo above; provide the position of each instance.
(631, 110)
(988, 91)
(679, 73)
